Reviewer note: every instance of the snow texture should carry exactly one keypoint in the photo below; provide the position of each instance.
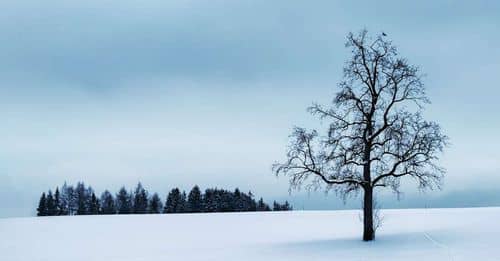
(413, 234)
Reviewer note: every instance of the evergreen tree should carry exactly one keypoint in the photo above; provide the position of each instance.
(73, 203)
(209, 201)
(182, 206)
(174, 202)
(262, 206)
(225, 201)
(276, 206)
(252, 205)
(107, 203)
(83, 199)
(64, 200)
(123, 202)
(155, 204)
(238, 201)
(287, 206)
(57, 202)
(51, 206)
(68, 200)
(194, 201)
(42, 206)
(94, 205)
(281, 207)
(140, 200)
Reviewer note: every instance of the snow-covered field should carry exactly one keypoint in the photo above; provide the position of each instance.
(434, 234)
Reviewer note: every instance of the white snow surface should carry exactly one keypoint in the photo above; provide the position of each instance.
(410, 234)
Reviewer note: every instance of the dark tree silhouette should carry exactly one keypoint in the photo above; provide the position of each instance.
(108, 206)
(155, 204)
(82, 200)
(124, 201)
(238, 201)
(281, 207)
(94, 208)
(51, 205)
(262, 206)
(286, 206)
(57, 202)
(209, 201)
(252, 205)
(174, 202)
(68, 200)
(183, 203)
(42, 206)
(194, 200)
(376, 134)
(140, 200)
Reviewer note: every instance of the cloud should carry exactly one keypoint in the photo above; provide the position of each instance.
(181, 92)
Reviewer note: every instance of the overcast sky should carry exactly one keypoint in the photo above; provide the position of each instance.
(177, 93)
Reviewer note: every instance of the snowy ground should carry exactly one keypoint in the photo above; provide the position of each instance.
(436, 234)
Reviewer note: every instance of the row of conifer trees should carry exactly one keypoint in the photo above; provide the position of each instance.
(82, 200)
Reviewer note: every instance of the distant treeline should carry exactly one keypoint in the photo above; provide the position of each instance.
(82, 200)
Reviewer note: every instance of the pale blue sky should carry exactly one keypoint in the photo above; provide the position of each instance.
(176, 93)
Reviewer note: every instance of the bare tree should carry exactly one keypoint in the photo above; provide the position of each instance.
(376, 134)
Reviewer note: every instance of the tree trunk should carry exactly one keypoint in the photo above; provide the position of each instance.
(368, 231)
